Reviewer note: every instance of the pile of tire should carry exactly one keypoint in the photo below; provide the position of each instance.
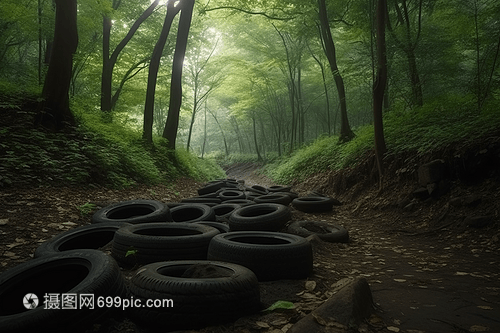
(206, 254)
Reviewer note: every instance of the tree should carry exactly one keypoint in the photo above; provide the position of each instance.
(108, 100)
(346, 134)
(379, 88)
(408, 44)
(172, 11)
(172, 124)
(55, 109)
(203, 85)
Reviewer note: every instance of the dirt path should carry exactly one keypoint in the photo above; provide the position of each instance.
(440, 281)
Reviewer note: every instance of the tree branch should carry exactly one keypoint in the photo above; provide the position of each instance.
(249, 12)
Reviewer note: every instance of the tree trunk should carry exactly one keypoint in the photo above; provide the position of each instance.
(259, 158)
(154, 65)
(172, 124)
(108, 62)
(56, 88)
(379, 88)
(346, 134)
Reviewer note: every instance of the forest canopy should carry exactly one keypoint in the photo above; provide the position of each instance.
(261, 77)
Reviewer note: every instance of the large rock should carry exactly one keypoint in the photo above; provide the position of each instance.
(352, 304)
(431, 172)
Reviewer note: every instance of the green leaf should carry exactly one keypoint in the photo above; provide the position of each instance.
(280, 305)
(131, 252)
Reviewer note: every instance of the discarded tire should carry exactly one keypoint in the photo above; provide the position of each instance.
(152, 242)
(74, 272)
(217, 225)
(202, 200)
(313, 204)
(263, 216)
(279, 188)
(241, 202)
(270, 255)
(282, 199)
(225, 195)
(191, 212)
(224, 211)
(134, 211)
(325, 231)
(202, 293)
(93, 236)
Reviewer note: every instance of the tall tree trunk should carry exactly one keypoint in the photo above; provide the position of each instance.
(108, 62)
(221, 132)
(58, 79)
(379, 88)
(346, 134)
(172, 124)
(154, 66)
(259, 157)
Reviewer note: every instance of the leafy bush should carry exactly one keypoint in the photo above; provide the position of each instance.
(436, 124)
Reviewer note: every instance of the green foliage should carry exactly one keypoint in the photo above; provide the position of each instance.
(422, 130)
(280, 305)
(202, 169)
(86, 209)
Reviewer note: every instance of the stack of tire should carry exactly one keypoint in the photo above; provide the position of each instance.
(206, 254)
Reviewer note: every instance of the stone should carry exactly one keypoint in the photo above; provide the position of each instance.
(478, 221)
(350, 306)
(431, 172)
(421, 193)
(466, 200)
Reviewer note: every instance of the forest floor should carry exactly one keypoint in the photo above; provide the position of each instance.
(427, 270)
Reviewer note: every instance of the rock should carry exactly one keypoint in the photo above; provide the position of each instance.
(421, 193)
(478, 221)
(433, 190)
(466, 200)
(431, 172)
(350, 306)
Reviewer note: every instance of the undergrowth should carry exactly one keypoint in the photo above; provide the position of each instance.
(97, 151)
(419, 131)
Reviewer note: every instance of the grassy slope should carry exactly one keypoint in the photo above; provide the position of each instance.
(419, 131)
(93, 152)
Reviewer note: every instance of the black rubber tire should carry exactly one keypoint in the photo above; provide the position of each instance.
(241, 202)
(263, 216)
(231, 195)
(191, 212)
(257, 189)
(202, 200)
(326, 232)
(270, 255)
(292, 195)
(197, 302)
(223, 228)
(70, 272)
(210, 188)
(313, 204)
(93, 236)
(224, 211)
(282, 199)
(279, 188)
(134, 211)
(154, 242)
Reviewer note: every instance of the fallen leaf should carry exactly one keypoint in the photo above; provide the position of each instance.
(477, 328)
(4, 221)
(310, 285)
(484, 307)
(400, 280)
(461, 273)
(262, 324)
(393, 329)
